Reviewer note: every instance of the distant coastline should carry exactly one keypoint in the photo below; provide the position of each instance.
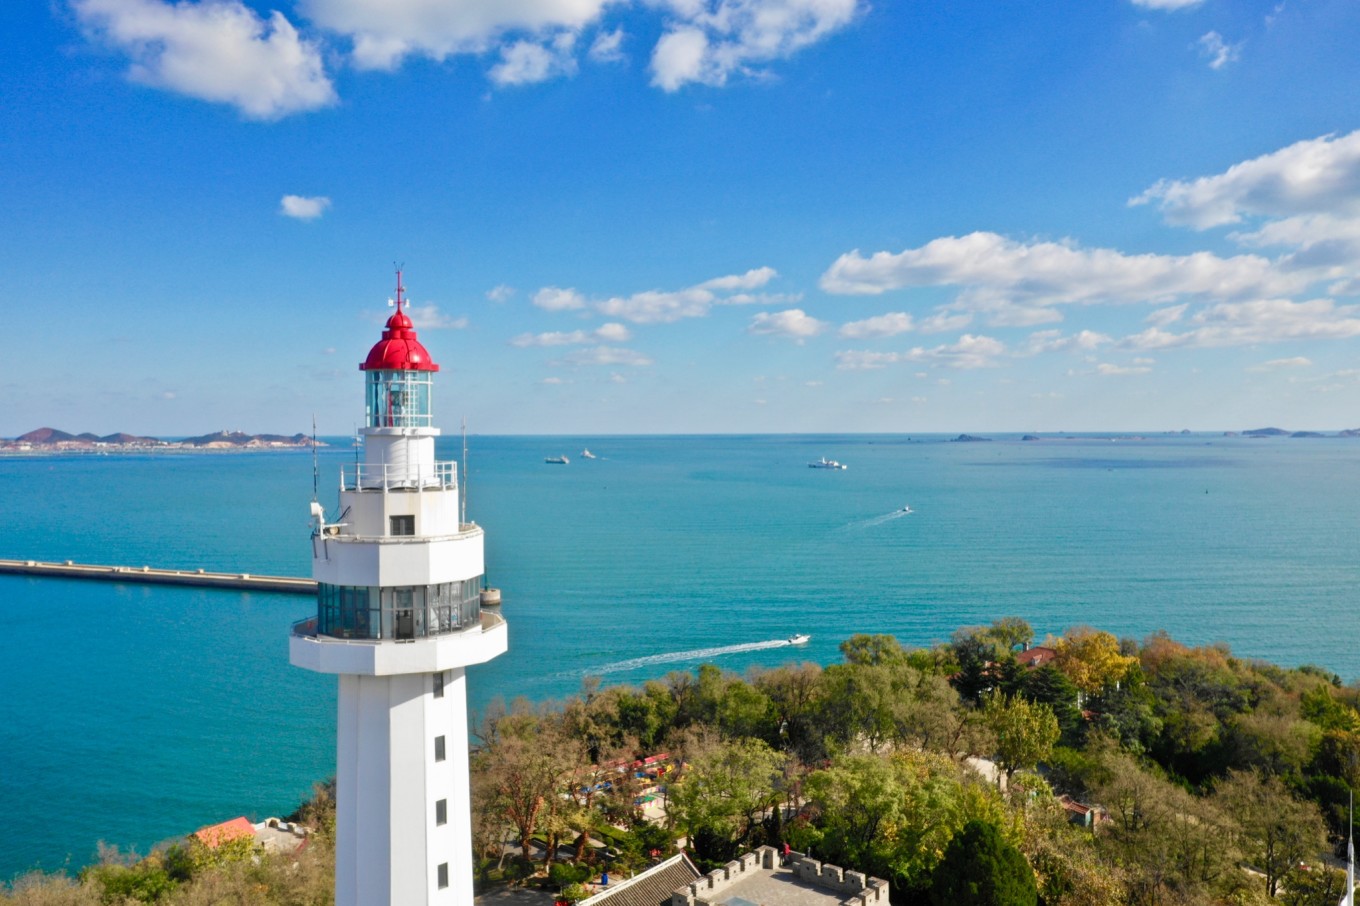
(52, 440)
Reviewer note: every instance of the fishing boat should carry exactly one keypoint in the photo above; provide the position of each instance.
(557, 460)
(586, 454)
(799, 639)
(825, 463)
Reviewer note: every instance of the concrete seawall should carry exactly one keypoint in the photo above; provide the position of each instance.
(152, 576)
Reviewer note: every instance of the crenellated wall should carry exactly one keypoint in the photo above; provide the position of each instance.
(853, 887)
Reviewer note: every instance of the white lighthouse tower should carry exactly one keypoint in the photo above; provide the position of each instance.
(398, 619)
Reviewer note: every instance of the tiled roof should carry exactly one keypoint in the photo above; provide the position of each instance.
(651, 888)
(214, 835)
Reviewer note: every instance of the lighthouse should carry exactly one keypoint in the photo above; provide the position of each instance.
(399, 619)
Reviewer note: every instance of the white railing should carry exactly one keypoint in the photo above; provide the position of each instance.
(382, 476)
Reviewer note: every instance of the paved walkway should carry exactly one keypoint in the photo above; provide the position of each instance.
(515, 896)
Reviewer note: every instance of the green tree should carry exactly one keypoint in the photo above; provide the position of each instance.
(722, 795)
(872, 649)
(980, 868)
(1024, 732)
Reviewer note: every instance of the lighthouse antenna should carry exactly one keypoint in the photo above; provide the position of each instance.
(315, 473)
(400, 289)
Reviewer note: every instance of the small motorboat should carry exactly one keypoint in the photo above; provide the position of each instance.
(557, 460)
(586, 454)
(825, 463)
(799, 639)
(906, 509)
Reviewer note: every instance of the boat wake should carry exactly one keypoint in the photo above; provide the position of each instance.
(675, 657)
(877, 520)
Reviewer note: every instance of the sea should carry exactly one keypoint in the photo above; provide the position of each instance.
(131, 714)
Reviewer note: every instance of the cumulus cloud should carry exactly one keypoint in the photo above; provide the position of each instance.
(656, 306)
(527, 62)
(707, 41)
(608, 47)
(605, 333)
(1108, 369)
(302, 207)
(500, 293)
(1054, 341)
(554, 298)
(1297, 361)
(794, 324)
(429, 317)
(214, 50)
(1316, 176)
(968, 353)
(1014, 279)
(607, 355)
(1218, 52)
(1253, 323)
(385, 32)
(888, 325)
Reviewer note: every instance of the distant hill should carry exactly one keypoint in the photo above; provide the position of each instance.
(51, 437)
(1266, 432)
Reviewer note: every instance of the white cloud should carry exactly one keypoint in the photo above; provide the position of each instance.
(554, 298)
(998, 274)
(607, 355)
(429, 317)
(528, 62)
(605, 333)
(888, 325)
(552, 381)
(752, 279)
(1107, 369)
(944, 322)
(1054, 341)
(1297, 361)
(1256, 322)
(214, 50)
(1316, 176)
(384, 32)
(608, 47)
(793, 324)
(657, 307)
(1166, 4)
(1219, 52)
(707, 41)
(1170, 315)
(968, 353)
(302, 207)
(500, 293)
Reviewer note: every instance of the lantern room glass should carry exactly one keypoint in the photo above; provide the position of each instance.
(399, 399)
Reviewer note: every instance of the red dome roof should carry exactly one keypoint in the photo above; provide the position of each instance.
(398, 350)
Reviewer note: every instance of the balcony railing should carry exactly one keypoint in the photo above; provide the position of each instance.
(384, 476)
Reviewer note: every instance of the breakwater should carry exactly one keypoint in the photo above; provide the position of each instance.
(150, 575)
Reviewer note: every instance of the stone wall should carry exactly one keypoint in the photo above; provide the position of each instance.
(852, 887)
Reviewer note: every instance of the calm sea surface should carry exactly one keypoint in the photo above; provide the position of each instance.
(132, 714)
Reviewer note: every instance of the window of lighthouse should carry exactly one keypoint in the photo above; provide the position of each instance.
(398, 612)
(398, 399)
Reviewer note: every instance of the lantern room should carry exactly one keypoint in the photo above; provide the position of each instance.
(399, 374)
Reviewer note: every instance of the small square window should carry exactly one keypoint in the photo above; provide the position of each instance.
(439, 748)
(443, 875)
(441, 812)
(439, 685)
(402, 525)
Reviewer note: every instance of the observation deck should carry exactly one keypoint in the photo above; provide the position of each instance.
(399, 476)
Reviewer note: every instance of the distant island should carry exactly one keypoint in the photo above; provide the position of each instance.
(52, 440)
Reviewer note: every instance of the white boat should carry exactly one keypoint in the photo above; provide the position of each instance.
(906, 509)
(557, 460)
(799, 639)
(825, 463)
(586, 454)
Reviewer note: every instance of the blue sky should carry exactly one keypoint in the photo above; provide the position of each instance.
(683, 215)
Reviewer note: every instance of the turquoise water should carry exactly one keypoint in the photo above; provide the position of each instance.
(132, 714)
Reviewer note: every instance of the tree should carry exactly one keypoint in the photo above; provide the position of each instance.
(1091, 659)
(1275, 831)
(872, 649)
(980, 868)
(722, 795)
(1024, 732)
